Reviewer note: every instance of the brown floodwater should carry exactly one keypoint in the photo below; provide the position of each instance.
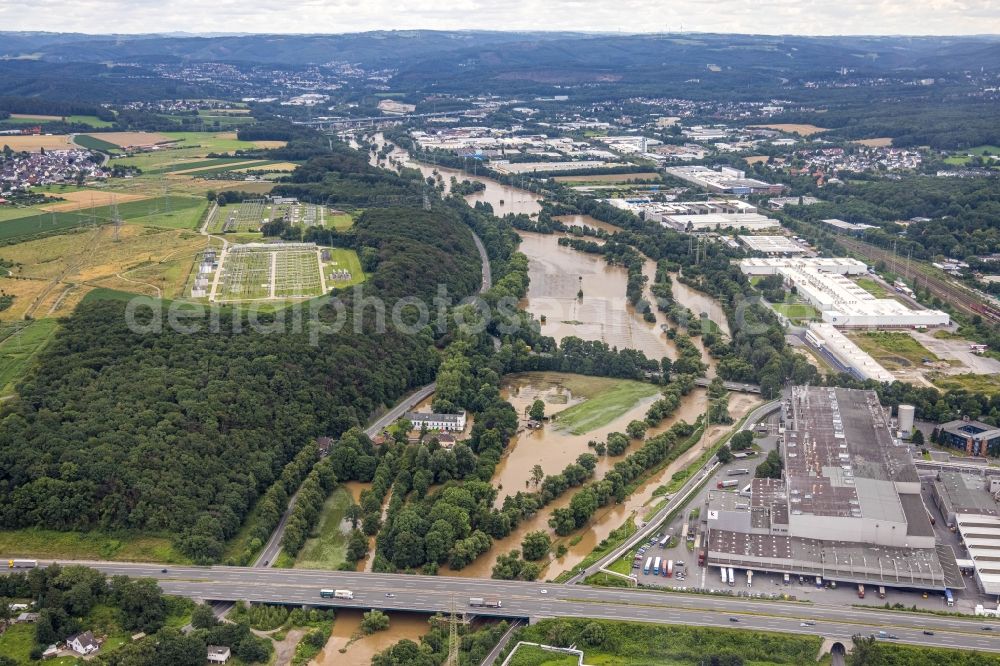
(558, 273)
(360, 651)
(699, 303)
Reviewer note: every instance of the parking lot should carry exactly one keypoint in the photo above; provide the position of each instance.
(688, 575)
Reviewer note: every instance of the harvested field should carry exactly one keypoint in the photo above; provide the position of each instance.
(209, 167)
(280, 166)
(125, 139)
(32, 116)
(89, 199)
(794, 128)
(32, 144)
(267, 145)
(755, 159)
(880, 142)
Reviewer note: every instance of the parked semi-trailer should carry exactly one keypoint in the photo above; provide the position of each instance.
(725, 578)
(732, 577)
(749, 578)
(732, 483)
(656, 567)
(861, 591)
(670, 568)
(948, 598)
(485, 602)
(649, 562)
(881, 591)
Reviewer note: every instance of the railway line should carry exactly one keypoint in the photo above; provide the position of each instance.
(957, 296)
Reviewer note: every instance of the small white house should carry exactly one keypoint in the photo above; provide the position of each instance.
(218, 654)
(83, 643)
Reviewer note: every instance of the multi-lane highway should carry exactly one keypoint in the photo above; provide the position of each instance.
(541, 600)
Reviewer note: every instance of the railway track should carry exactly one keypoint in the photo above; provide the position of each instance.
(957, 296)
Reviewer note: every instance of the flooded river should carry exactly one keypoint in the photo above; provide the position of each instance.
(341, 650)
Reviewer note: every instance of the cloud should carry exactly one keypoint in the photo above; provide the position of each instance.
(333, 16)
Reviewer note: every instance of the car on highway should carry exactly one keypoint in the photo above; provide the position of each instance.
(544, 591)
(390, 595)
(928, 632)
(807, 623)
(734, 619)
(987, 628)
(163, 571)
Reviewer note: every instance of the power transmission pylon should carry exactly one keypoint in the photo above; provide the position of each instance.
(116, 219)
(452, 659)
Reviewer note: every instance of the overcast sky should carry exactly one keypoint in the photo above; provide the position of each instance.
(806, 17)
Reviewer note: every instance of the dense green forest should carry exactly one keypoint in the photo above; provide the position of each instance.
(180, 433)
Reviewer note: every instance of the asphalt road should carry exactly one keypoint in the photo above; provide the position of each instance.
(526, 600)
(682, 496)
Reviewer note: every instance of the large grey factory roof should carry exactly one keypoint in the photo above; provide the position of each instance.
(840, 456)
(964, 493)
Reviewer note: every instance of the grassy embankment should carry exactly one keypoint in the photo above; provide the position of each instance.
(636, 644)
(92, 545)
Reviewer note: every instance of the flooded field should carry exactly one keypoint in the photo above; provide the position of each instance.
(553, 449)
(340, 650)
(558, 273)
(699, 303)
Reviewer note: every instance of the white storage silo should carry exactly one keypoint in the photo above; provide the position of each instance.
(906, 419)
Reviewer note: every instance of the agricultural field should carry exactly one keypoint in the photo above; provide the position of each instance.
(20, 343)
(339, 221)
(893, 350)
(794, 128)
(604, 407)
(131, 139)
(963, 156)
(169, 211)
(33, 144)
(878, 142)
(88, 198)
(143, 260)
(28, 119)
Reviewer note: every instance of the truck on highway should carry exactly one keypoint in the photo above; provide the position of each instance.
(485, 602)
(326, 594)
(22, 564)
(656, 567)
(649, 562)
(861, 591)
(732, 577)
(343, 594)
(732, 483)
(670, 568)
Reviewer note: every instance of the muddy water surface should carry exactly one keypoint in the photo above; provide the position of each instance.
(361, 651)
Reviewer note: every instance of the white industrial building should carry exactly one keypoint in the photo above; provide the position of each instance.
(713, 221)
(724, 179)
(821, 282)
(447, 422)
(699, 216)
(848, 507)
(773, 245)
(971, 504)
(833, 344)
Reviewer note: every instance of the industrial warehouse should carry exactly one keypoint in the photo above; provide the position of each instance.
(822, 283)
(848, 508)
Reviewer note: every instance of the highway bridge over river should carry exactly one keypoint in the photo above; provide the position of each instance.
(535, 601)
